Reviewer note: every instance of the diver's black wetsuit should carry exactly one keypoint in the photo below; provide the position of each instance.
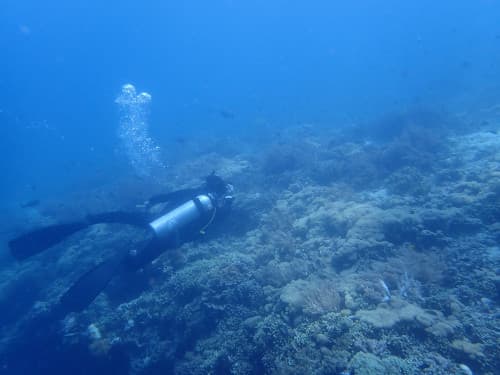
(188, 212)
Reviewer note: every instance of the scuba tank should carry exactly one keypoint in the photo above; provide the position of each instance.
(185, 214)
(166, 229)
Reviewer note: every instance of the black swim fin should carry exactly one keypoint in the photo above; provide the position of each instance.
(38, 240)
(88, 286)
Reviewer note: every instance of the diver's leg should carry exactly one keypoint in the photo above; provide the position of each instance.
(88, 286)
(38, 240)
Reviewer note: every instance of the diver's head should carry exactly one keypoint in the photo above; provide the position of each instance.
(221, 190)
(216, 185)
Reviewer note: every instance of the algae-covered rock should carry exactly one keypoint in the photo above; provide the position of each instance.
(386, 316)
(369, 364)
(473, 350)
(366, 364)
(313, 297)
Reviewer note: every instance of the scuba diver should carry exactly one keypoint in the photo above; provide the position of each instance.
(188, 213)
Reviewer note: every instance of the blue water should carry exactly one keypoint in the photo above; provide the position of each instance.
(218, 69)
(276, 62)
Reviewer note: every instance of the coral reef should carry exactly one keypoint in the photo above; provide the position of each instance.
(362, 258)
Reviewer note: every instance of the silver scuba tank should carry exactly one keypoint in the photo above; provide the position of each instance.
(181, 216)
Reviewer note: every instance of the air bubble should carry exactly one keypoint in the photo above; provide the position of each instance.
(143, 153)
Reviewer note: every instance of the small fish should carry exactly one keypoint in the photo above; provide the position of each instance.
(465, 64)
(181, 140)
(31, 203)
(228, 115)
